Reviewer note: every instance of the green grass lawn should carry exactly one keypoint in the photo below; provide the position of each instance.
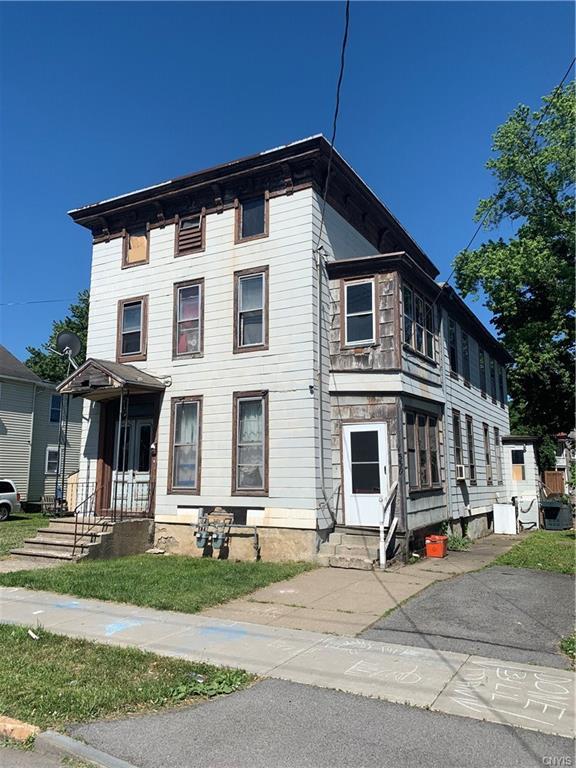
(544, 551)
(172, 582)
(57, 680)
(17, 528)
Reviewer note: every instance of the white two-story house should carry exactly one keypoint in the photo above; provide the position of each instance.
(245, 353)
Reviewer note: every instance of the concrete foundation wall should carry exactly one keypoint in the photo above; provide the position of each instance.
(276, 544)
(131, 537)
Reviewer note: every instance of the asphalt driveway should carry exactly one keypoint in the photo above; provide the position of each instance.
(285, 725)
(501, 612)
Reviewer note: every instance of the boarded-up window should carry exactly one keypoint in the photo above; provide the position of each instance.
(518, 466)
(136, 246)
(190, 234)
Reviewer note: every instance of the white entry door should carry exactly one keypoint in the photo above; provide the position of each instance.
(131, 478)
(365, 466)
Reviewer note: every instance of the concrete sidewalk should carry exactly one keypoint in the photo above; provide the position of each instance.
(455, 683)
(346, 602)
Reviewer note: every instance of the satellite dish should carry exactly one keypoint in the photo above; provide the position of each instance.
(67, 343)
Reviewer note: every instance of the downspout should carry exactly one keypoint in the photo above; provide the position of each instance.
(30, 444)
(320, 263)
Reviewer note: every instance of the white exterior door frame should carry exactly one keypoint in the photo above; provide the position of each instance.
(365, 472)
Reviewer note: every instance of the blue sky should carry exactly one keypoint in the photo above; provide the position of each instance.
(98, 99)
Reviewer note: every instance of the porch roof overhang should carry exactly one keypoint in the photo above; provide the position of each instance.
(106, 380)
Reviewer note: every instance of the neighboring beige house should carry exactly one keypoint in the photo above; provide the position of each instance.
(232, 363)
(30, 421)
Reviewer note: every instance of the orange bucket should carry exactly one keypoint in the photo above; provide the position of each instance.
(436, 546)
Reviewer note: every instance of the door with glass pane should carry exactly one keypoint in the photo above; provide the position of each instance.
(365, 468)
(131, 475)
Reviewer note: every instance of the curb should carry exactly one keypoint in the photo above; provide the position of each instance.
(16, 729)
(51, 742)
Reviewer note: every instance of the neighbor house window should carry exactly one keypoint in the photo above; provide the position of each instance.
(135, 246)
(453, 346)
(487, 454)
(51, 459)
(185, 445)
(250, 446)
(466, 357)
(252, 218)
(359, 313)
(457, 429)
(482, 369)
(471, 452)
(188, 318)
(518, 466)
(418, 322)
(493, 379)
(422, 445)
(251, 309)
(132, 322)
(55, 408)
(498, 450)
(189, 234)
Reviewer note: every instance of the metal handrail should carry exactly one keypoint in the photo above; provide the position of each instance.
(84, 531)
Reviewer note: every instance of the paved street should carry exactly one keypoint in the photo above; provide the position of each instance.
(277, 724)
(508, 613)
(535, 697)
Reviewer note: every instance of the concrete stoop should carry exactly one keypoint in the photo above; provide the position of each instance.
(354, 549)
(101, 540)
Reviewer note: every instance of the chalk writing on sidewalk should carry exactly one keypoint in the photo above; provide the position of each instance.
(399, 673)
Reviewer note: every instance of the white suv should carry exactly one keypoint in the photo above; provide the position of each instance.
(9, 499)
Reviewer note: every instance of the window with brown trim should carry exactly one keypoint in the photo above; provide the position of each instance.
(419, 326)
(252, 218)
(423, 454)
(185, 445)
(501, 395)
(190, 234)
(487, 454)
(457, 430)
(359, 315)
(135, 246)
(471, 450)
(251, 310)
(493, 379)
(132, 329)
(453, 346)
(482, 369)
(250, 444)
(498, 451)
(188, 332)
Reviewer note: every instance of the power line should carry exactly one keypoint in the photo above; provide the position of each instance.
(500, 194)
(34, 301)
(335, 120)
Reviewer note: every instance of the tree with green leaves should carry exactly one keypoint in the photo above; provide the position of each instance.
(50, 366)
(527, 281)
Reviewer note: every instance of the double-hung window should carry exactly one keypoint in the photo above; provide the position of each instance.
(251, 309)
(453, 346)
(359, 313)
(422, 445)
(501, 396)
(189, 234)
(487, 454)
(466, 357)
(51, 459)
(457, 429)
(498, 450)
(419, 326)
(185, 445)
(188, 318)
(135, 247)
(493, 379)
(252, 218)
(482, 369)
(55, 408)
(250, 459)
(471, 452)
(132, 322)
(518, 467)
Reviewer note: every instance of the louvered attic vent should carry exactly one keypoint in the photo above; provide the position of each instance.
(190, 233)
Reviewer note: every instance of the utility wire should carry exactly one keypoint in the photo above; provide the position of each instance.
(500, 194)
(335, 121)
(34, 301)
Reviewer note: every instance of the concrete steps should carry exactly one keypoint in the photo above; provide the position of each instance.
(56, 542)
(354, 549)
